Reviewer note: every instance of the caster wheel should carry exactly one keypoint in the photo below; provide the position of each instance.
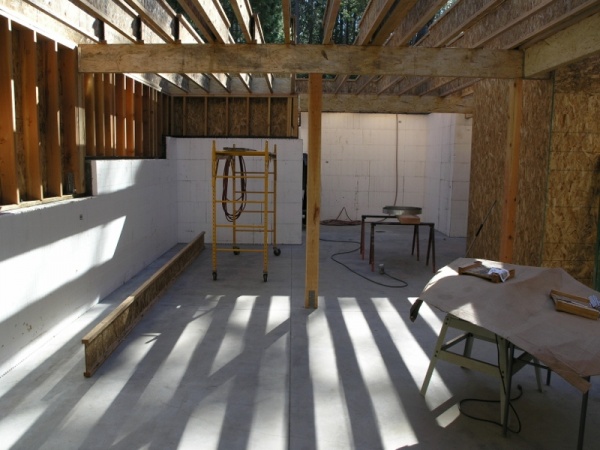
(236, 250)
(276, 251)
(214, 276)
(265, 276)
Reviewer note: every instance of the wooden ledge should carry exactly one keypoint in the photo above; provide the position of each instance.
(105, 337)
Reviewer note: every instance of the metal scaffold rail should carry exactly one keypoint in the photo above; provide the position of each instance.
(244, 192)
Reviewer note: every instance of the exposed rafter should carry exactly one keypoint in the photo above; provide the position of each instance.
(331, 13)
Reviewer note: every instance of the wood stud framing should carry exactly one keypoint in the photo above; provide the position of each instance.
(52, 117)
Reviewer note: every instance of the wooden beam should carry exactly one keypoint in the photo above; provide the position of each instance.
(31, 137)
(139, 114)
(52, 118)
(209, 17)
(99, 113)
(73, 123)
(286, 59)
(243, 12)
(511, 172)
(390, 104)
(286, 6)
(106, 336)
(570, 45)
(129, 117)
(119, 115)
(313, 191)
(89, 81)
(331, 13)
(9, 194)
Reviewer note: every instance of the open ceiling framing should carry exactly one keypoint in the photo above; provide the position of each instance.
(194, 54)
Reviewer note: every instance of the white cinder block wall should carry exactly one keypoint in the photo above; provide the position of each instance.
(59, 259)
(193, 161)
(369, 161)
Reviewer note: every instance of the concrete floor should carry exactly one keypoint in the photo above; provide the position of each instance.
(238, 363)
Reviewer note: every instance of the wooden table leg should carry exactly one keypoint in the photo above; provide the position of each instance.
(431, 246)
(372, 247)
(362, 238)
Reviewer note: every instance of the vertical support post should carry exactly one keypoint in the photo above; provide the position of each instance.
(120, 114)
(74, 121)
(139, 119)
(53, 119)
(313, 190)
(99, 114)
(9, 189)
(109, 114)
(511, 173)
(89, 81)
(129, 117)
(31, 136)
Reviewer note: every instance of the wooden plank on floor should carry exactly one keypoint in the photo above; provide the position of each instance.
(100, 342)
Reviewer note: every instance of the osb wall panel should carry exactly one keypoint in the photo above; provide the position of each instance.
(533, 172)
(217, 117)
(259, 117)
(238, 117)
(195, 116)
(279, 117)
(573, 194)
(488, 157)
(177, 114)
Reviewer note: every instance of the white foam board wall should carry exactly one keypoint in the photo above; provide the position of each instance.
(59, 259)
(369, 161)
(193, 161)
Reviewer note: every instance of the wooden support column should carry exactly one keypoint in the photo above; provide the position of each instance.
(9, 188)
(511, 171)
(53, 118)
(99, 114)
(89, 80)
(139, 119)
(74, 122)
(313, 190)
(109, 114)
(31, 128)
(120, 114)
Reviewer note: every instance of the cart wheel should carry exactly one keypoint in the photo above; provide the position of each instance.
(276, 251)
(265, 276)
(214, 276)
(236, 250)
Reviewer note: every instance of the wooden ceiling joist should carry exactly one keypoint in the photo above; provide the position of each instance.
(572, 44)
(210, 18)
(239, 58)
(331, 13)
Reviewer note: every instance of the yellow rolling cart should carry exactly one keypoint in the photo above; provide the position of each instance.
(244, 192)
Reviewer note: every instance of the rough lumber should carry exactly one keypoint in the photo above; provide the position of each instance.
(391, 104)
(110, 332)
(570, 45)
(313, 191)
(331, 13)
(9, 194)
(286, 59)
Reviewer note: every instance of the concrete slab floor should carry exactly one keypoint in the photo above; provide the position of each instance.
(238, 363)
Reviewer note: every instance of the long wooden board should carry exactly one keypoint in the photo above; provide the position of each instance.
(101, 341)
